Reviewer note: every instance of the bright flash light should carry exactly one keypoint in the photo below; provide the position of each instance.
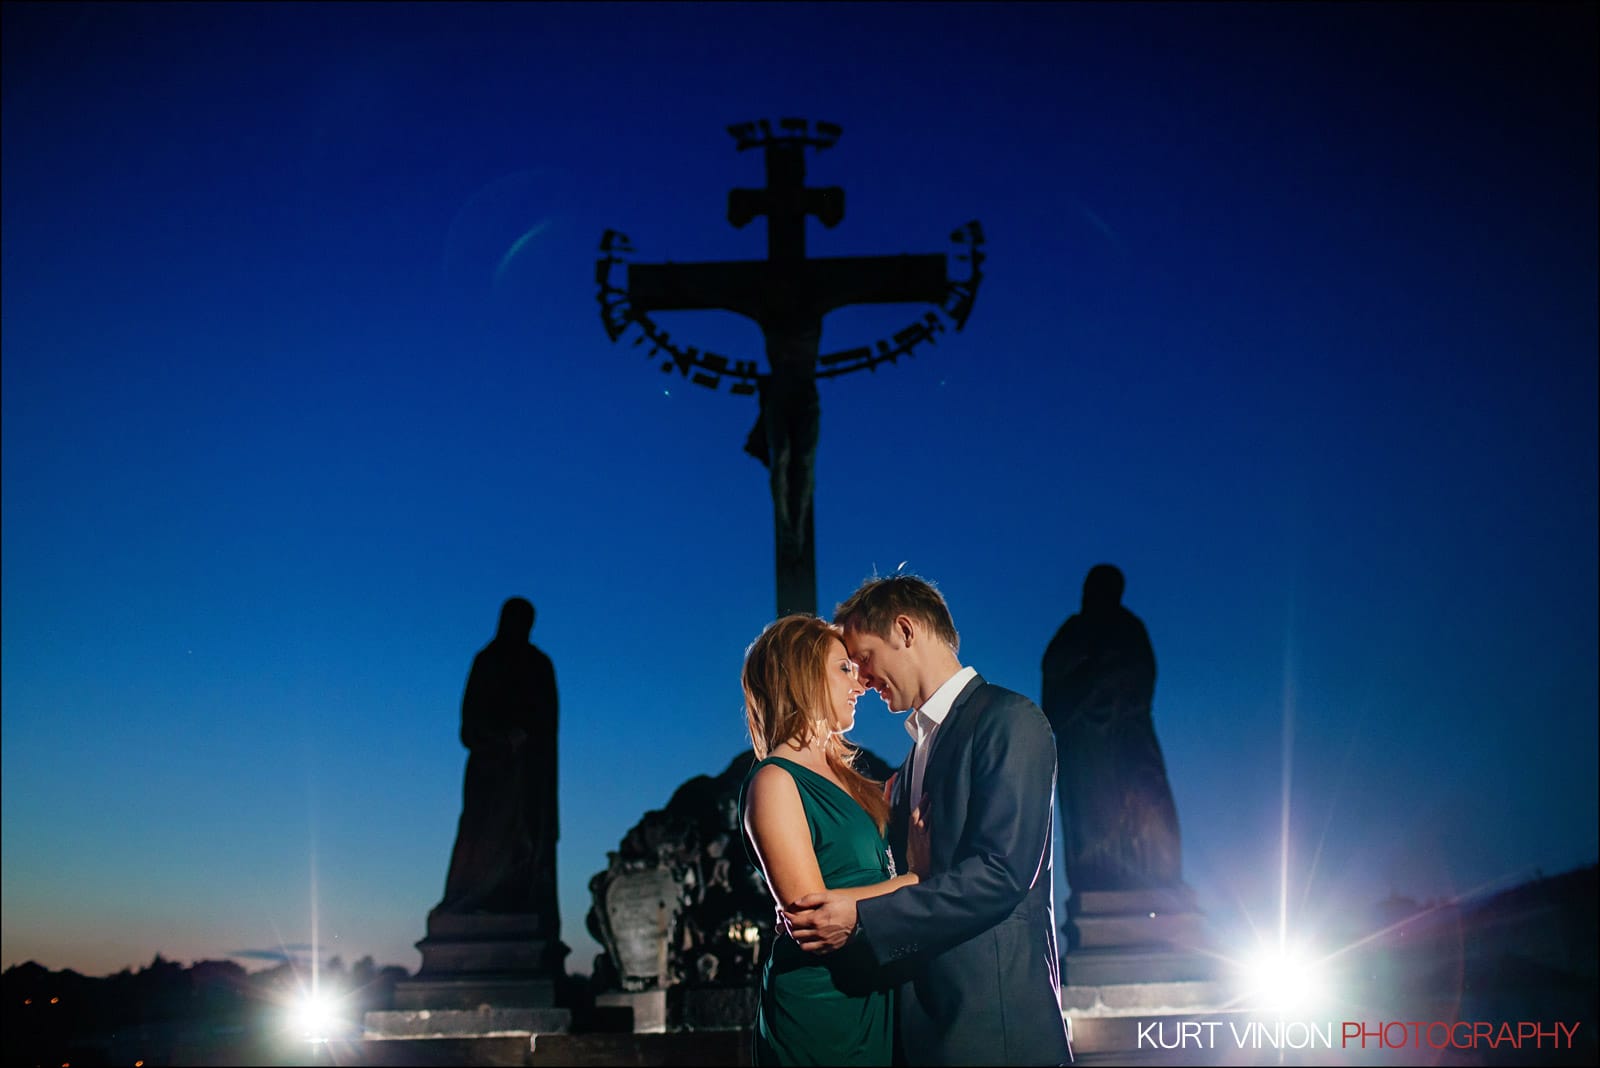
(314, 1018)
(1284, 979)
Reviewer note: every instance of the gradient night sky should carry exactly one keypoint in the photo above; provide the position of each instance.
(1290, 312)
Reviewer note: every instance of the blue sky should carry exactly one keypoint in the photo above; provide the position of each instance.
(1289, 312)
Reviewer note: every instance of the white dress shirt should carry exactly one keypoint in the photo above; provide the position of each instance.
(924, 722)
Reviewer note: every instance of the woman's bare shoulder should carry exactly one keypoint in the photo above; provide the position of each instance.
(770, 780)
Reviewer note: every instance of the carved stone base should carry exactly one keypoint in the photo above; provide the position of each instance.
(485, 1022)
(1166, 917)
(1184, 929)
(1116, 965)
(711, 1048)
(472, 991)
(646, 1009)
(483, 975)
(1130, 945)
(713, 1008)
(457, 956)
(1145, 999)
(1137, 956)
(487, 943)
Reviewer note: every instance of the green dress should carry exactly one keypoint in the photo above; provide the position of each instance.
(829, 1009)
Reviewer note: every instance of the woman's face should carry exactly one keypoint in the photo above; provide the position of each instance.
(844, 686)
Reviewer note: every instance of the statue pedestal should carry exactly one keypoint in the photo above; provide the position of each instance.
(1136, 956)
(645, 1011)
(729, 1008)
(483, 975)
(1164, 915)
(489, 943)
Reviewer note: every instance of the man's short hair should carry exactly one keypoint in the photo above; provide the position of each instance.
(875, 604)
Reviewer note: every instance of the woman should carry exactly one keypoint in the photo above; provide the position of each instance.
(812, 822)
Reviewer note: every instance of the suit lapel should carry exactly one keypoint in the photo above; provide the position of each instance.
(900, 810)
(955, 723)
(951, 742)
(902, 781)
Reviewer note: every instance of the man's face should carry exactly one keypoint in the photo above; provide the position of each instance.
(885, 665)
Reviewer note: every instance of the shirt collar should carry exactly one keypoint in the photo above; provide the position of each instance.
(925, 720)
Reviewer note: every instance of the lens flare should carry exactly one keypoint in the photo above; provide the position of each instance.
(1284, 979)
(315, 1017)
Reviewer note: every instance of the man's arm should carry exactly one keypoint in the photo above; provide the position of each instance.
(1001, 852)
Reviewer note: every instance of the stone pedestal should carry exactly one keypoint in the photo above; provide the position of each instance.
(1164, 916)
(731, 1008)
(1136, 956)
(488, 943)
(466, 1023)
(645, 1011)
(483, 976)
(706, 1048)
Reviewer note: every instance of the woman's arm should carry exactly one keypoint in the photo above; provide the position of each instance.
(775, 819)
(888, 886)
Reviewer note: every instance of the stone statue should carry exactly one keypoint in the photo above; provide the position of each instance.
(1117, 812)
(670, 897)
(504, 860)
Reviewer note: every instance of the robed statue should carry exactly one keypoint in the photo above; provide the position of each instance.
(505, 853)
(1119, 821)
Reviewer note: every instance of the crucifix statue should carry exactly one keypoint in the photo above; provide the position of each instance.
(787, 296)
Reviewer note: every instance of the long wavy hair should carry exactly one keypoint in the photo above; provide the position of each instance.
(785, 681)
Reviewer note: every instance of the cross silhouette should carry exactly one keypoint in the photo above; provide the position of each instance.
(787, 295)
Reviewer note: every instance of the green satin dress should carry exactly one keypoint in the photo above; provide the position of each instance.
(831, 1009)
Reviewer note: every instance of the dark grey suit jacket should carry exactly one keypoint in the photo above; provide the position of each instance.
(975, 940)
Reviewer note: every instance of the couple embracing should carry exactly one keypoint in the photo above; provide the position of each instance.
(917, 922)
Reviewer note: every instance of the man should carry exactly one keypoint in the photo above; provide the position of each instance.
(973, 944)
